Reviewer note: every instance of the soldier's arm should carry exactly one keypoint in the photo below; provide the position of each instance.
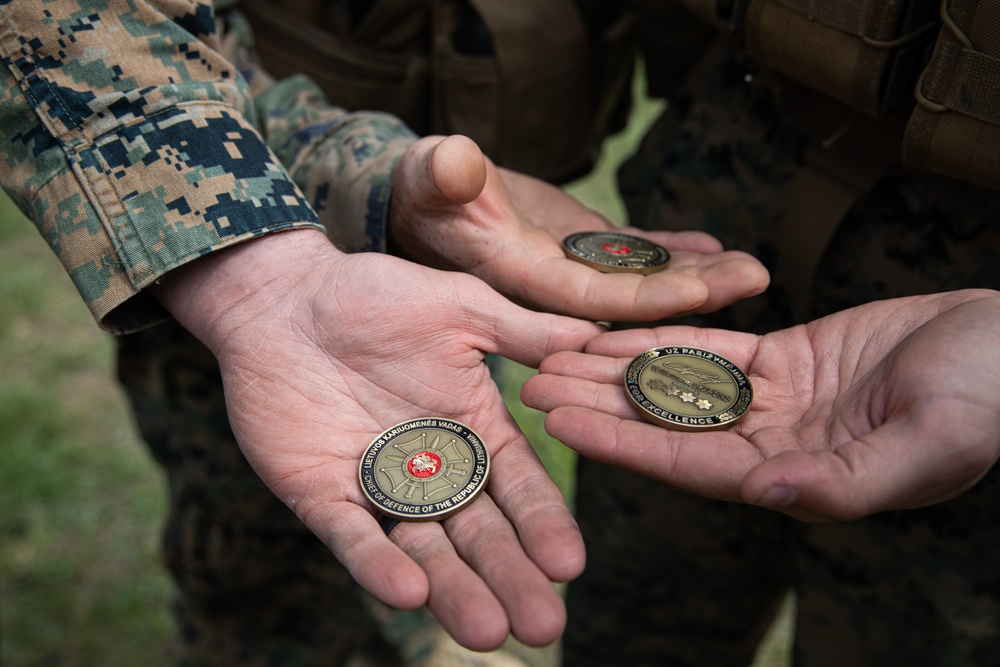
(131, 141)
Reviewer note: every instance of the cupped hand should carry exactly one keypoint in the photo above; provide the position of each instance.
(453, 209)
(892, 405)
(320, 352)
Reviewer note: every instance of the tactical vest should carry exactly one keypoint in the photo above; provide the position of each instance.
(876, 83)
(936, 61)
(537, 84)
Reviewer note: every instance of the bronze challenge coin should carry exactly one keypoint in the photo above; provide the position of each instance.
(424, 469)
(611, 252)
(688, 389)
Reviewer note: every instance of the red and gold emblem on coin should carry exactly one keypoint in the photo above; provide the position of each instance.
(423, 465)
(424, 469)
(612, 252)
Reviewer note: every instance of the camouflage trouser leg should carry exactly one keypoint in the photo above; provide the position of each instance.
(671, 579)
(676, 580)
(915, 587)
(254, 587)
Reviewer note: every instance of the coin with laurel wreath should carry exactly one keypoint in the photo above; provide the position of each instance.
(688, 389)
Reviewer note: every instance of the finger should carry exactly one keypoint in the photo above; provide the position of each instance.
(902, 464)
(573, 289)
(489, 544)
(674, 241)
(449, 170)
(693, 283)
(738, 347)
(378, 565)
(459, 598)
(593, 367)
(532, 502)
(458, 168)
(520, 334)
(730, 277)
(548, 392)
(709, 464)
(524, 491)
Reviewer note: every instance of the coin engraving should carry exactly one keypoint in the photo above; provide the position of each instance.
(688, 389)
(424, 469)
(612, 252)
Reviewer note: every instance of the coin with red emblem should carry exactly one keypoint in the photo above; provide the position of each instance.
(424, 469)
(612, 252)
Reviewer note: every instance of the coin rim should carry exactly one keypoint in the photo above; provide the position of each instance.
(373, 449)
(636, 366)
(570, 251)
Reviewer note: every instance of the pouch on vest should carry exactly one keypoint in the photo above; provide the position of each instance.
(864, 53)
(955, 128)
(533, 84)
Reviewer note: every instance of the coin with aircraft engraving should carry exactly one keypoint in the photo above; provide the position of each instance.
(688, 389)
(612, 252)
(424, 469)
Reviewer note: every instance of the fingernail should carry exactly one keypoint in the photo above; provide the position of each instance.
(777, 496)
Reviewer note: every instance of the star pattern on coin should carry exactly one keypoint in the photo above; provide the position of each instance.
(687, 389)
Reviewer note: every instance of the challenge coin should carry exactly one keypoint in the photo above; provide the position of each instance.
(424, 469)
(611, 252)
(688, 389)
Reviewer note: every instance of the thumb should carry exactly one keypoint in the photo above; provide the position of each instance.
(903, 464)
(457, 168)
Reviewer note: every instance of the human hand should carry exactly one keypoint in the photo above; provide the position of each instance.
(892, 405)
(453, 209)
(320, 352)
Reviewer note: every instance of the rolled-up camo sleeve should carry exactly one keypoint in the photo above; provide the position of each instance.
(131, 143)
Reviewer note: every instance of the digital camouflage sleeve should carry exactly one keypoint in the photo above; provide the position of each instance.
(132, 142)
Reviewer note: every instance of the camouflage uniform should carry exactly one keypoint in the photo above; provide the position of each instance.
(674, 579)
(139, 136)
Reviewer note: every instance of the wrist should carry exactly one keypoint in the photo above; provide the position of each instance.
(217, 294)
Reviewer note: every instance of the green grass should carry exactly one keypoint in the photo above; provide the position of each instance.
(82, 503)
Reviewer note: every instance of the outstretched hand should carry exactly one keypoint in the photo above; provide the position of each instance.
(320, 352)
(453, 209)
(891, 405)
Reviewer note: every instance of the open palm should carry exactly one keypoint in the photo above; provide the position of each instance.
(453, 209)
(895, 404)
(336, 349)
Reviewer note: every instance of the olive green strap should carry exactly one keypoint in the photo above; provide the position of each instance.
(955, 128)
(863, 53)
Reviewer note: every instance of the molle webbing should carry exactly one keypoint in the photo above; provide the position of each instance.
(864, 53)
(955, 128)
